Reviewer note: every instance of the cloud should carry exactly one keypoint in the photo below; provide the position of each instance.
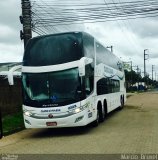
(128, 38)
(127, 42)
(10, 26)
(11, 47)
(10, 12)
(9, 35)
(146, 28)
(11, 53)
(121, 39)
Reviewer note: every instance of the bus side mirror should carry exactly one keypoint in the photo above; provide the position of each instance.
(82, 63)
(11, 74)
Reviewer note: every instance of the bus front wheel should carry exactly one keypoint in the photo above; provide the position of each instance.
(96, 122)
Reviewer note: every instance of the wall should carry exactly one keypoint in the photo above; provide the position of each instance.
(10, 96)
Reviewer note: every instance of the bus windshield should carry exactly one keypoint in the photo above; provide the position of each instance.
(53, 49)
(58, 88)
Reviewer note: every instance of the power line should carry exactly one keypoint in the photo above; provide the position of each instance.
(49, 14)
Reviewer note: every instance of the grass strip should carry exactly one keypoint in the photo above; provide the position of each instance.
(12, 123)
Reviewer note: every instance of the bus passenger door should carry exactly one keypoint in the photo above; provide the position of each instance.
(90, 96)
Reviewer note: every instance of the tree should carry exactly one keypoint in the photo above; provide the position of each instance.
(131, 78)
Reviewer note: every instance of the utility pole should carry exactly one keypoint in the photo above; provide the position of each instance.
(152, 71)
(144, 61)
(138, 75)
(131, 74)
(111, 47)
(137, 69)
(25, 19)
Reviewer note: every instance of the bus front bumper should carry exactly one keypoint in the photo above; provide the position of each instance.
(79, 119)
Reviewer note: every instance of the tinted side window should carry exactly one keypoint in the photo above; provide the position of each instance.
(89, 79)
(106, 85)
(88, 47)
(103, 55)
(102, 86)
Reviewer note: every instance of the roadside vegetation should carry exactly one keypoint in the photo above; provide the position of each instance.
(135, 82)
(12, 123)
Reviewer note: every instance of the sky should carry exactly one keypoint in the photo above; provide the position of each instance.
(129, 38)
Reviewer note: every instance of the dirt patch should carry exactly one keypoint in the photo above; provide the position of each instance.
(132, 107)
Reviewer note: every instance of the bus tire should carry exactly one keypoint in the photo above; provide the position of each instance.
(96, 122)
(102, 114)
(122, 103)
(101, 110)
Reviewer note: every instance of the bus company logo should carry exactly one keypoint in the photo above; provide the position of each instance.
(50, 116)
(71, 107)
(50, 110)
(53, 98)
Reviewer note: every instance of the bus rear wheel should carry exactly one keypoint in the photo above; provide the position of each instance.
(122, 103)
(102, 114)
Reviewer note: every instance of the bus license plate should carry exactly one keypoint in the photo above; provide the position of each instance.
(51, 123)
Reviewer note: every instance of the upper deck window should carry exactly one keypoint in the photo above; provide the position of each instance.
(53, 49)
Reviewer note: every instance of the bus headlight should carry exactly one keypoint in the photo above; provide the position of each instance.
(27, 113)
(77, 110)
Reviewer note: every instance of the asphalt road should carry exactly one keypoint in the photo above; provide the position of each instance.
(132, 130)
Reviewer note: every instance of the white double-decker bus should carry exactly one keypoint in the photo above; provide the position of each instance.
(70, 79)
